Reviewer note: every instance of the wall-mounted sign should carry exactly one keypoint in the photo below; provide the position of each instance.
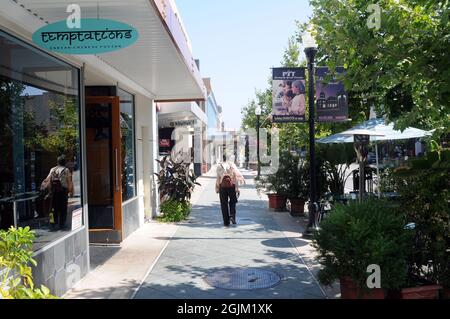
(332, 100)
(77, 219)
(165, 142)
(288, 95)
(94, 36)
(183, 123)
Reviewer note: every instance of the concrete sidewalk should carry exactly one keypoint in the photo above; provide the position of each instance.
(262, 240)
(118, 271)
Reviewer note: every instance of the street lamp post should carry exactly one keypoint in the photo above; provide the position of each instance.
(311, 51)
(258, 112)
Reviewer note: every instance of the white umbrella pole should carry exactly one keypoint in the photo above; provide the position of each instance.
(378, 170)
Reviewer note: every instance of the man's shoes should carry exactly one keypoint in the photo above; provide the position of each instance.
(233, 220)
(226, 226)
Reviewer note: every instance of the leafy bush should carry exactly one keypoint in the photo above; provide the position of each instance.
(174, 211)
(176, 181)
(425, 199)
(362, 234)
(276, 183)
(16, 281)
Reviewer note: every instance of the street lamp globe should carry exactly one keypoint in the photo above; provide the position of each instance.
(258, 111)
(308, 41)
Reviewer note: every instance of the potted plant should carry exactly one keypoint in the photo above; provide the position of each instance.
(275, 185)
(359, 235)
(297, 184)
(176, 184)
(425, 199)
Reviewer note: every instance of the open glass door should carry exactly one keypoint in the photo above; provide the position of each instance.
(103, 143)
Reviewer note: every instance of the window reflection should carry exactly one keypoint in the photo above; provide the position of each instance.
(128, 147)
(39, 122)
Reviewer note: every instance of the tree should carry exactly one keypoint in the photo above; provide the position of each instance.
(402, 68)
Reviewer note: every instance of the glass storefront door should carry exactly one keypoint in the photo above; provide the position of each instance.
(103, 143)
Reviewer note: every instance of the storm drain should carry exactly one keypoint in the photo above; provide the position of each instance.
(243, 279)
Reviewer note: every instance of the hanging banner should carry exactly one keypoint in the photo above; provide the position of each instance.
(332, 99)
(288, 95)
(93, 36)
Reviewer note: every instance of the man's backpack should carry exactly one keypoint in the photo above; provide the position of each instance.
(55, 183)
(227, 180)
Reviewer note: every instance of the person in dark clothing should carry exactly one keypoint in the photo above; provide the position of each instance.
(227, 186)
(60, 185)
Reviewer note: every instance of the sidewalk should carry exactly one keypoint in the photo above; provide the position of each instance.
(262, 240)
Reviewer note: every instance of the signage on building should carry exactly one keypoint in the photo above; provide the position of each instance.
(77, 219)
(93, 36)
(332, 99)
(183, 123)
(164, 142)
(288, 95)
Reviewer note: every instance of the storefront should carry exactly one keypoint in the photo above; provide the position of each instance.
(181, 130)
(95, 116)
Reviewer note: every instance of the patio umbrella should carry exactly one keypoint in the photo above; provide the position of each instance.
(378, 131)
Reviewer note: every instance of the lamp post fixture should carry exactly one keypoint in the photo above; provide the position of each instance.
(310, 52)
(258, 112)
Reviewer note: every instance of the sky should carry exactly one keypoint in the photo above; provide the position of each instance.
(238, 42)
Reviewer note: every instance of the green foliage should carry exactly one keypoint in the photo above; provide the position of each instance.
(402, 68)
(362, 234)
(16, 279)
(174, 211)
(425, 199)
(336, 162)
(176, 181)
(64, 138)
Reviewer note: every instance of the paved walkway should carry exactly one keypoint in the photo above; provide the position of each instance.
(202, 246)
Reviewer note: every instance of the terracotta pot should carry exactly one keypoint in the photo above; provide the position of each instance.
(423, 292)
(297, 207)
(277, 202)
(349, 290)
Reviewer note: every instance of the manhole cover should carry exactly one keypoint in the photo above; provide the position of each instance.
(243, 279)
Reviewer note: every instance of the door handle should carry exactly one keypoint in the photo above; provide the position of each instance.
(116, 155)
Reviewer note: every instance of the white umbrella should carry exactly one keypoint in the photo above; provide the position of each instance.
(378, 131)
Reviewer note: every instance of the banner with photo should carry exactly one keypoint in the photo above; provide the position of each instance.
(332, 99)
(289, 92)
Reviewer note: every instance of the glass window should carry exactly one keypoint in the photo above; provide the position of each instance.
(39, 135)
(128, 145)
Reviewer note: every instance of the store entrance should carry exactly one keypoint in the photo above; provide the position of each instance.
(103, 143)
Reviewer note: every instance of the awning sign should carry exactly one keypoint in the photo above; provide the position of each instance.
(94, 36)
(332, 99)
(288, 95)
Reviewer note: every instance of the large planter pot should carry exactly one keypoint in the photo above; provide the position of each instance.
(422, 292)
(349, 290)
(277, 202)
(297, 207)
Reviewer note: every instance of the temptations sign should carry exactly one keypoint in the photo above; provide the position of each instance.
(288, 95)
(332, 99)
(90, 37)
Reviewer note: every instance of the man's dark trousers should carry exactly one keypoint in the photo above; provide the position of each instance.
(228, 202)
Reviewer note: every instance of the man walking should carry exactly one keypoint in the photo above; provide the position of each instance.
(227, 186)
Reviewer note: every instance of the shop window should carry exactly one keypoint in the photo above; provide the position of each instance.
(39, 124)
(128, 145)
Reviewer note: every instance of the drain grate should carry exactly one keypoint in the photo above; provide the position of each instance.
(243, 279)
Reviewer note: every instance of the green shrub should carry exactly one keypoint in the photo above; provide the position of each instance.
(362, 234)
(174, 211)
(16, 279)
(425, 200)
